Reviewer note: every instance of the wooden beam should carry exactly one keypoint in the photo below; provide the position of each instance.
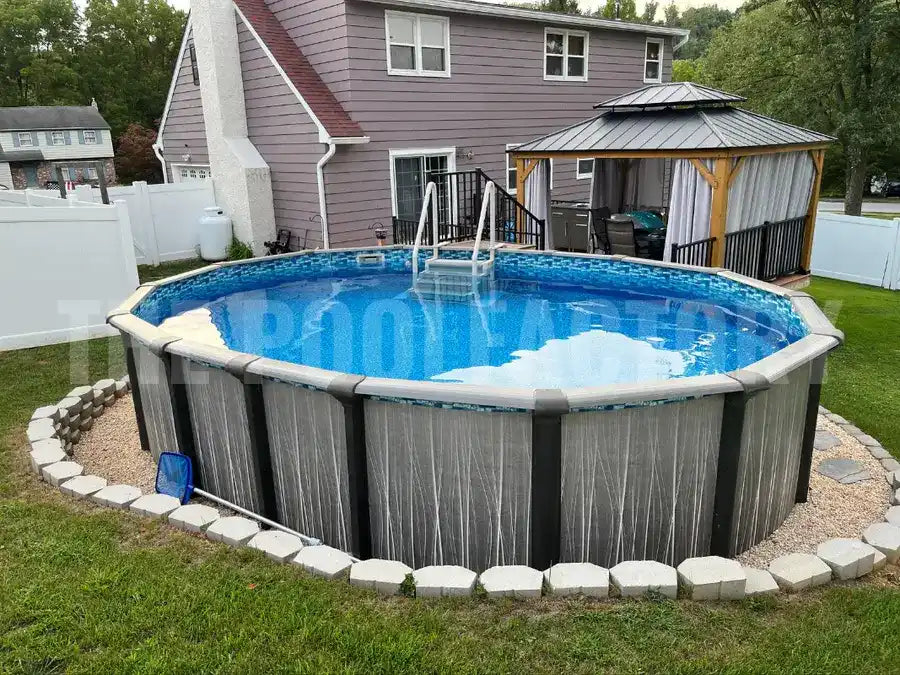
(520, 189)
(736, 169)
(706, 173)
(719, 211)
(818, 157)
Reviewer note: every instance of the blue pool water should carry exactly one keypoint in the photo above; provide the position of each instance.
(523, 334)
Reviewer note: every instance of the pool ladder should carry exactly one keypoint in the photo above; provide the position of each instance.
(460, 279)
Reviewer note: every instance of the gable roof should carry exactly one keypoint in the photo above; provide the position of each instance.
(298, 70)
(539, 16)
(36, 117)
(670, 94)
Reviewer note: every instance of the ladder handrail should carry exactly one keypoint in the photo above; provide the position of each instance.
(487, 201)
(430, 190)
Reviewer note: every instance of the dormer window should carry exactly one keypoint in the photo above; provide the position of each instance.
(565, 54)
(653, 57)
(417, 44)
(57, 138)
(90, 137)
(25, 139)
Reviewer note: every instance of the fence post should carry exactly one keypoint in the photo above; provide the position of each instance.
(546, 477)
(144, 214)
(127, 239)
(763, 250)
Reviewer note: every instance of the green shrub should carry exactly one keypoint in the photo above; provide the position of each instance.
(239, 250)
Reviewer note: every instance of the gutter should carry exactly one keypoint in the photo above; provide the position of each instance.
(678, 45)
(157, 150)
(320, 180)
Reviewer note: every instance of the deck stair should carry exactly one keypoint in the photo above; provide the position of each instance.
(456, 279)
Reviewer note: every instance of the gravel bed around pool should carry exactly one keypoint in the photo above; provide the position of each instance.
(112, 449)
(833, 510)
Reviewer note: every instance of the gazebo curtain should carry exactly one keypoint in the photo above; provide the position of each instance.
(770, 188)
(624, 184)
(690, 205)
(537, 197)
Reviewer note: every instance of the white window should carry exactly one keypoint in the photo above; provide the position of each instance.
(512, 172)
(653, 57)
(25, 139)
(91, 173)
(69, 173)
(186, 172)
(417, 44)
(584, 168)
(565, 54)
(58, 137)
(411, 171)
(90, 137)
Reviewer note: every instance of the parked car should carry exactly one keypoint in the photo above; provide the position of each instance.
(891, 188)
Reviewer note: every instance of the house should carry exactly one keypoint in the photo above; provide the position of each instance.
(329, 117)
(35, 140)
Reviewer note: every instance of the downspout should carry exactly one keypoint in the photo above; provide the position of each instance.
(162, 162)
(320, 179)
(678, 45)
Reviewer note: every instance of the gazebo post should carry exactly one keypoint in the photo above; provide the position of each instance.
(719, 210)
(818, 157)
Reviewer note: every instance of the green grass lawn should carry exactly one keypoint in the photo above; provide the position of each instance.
(85, 589)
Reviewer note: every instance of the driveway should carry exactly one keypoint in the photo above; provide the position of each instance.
(892, 206)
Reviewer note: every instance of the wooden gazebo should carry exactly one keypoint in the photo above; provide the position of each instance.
(696, 129)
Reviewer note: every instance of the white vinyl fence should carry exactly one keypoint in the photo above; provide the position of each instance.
(63, 266)
(852, 248)
(164, 218)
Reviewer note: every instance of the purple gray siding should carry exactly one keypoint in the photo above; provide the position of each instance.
(184, 131)
(496, 95)
(287, 139)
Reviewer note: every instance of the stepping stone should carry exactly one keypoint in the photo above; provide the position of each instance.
(324, 561)
(441, 581)
(193, 517)
(384, 576)
(892, 515)
(277, 545)
(578, 579)
(155, 505)
(233, 530)
(82, 487)
(843, 470)
(712, 578)
(45, 453)
(825, 440)
(517, 581)
(867, 440)
(886, 538)
(117, 496)
(890, 464)
(879, 453)
(40, 430)
(797, 571)
(837, 419)
(61, 472)
(759, 582)
(847, 558)
(635, 578)
(50, 412)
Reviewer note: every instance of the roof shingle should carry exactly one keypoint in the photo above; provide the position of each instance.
(35, 117)
(299, 70)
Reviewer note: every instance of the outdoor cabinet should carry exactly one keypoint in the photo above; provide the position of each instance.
(570, 228)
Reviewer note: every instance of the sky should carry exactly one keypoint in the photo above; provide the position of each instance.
(586, 5)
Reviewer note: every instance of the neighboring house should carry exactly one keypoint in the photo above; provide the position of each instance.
(350, 106)
(35, 140)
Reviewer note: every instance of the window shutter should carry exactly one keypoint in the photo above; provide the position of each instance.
(34, 139)
(80, 137)
(99, 136)
(49, 136)
(68, 137)
(15, 136)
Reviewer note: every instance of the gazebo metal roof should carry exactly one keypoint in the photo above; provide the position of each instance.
(670, 94)
(676, 118)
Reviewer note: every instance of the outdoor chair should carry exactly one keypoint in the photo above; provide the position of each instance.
(622, 238)
(280, 245)
(599, 238)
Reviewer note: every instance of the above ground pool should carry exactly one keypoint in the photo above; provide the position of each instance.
(577, 408)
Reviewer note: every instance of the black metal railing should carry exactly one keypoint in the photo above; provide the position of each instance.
(767, 251)
(695, 253)
(460, 194)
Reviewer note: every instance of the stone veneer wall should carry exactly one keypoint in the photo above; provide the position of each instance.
(46, 171)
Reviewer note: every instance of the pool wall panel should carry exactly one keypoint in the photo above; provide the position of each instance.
(308, 445)
(225, 462)
(155, 399)
(449, 486)
(639, 483)
(770, 458)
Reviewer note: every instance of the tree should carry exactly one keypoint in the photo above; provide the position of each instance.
(560, 6)
(686, 70)
(135, 159)
(627, 10)
(831, 65)
(649, 14)
(670, 14)
(703, 22)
